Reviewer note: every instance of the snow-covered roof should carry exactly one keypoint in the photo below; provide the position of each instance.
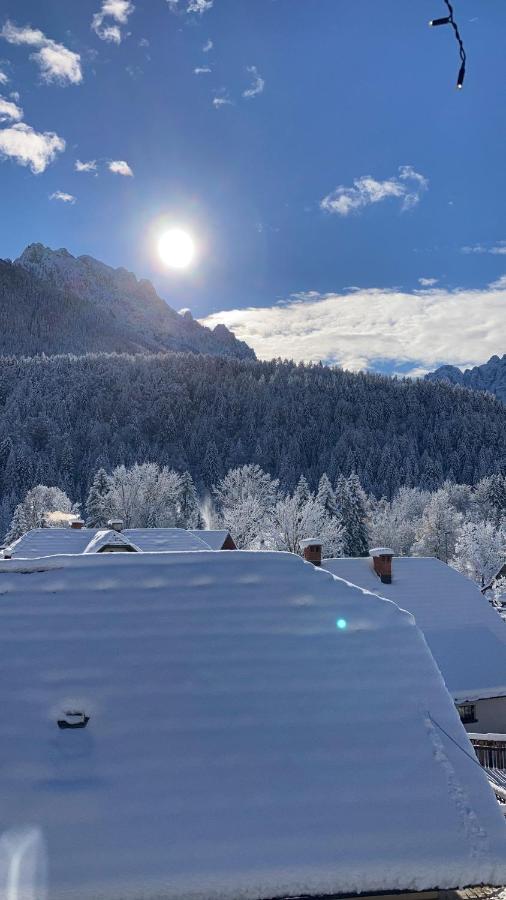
(466, 636)
(215, 537)
(107, 538)
(239, 743)
(41, 542)
(158, 539)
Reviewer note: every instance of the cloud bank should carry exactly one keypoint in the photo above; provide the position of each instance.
(368, 329)
(57, 64)
(407, 187)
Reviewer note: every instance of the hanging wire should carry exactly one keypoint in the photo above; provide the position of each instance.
(450, 20)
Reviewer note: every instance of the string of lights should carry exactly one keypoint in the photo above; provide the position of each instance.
(450, 20)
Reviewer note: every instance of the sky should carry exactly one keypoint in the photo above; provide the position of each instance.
(346, 201)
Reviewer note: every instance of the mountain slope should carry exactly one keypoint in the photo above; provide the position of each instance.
(52, 302)
(491, 376)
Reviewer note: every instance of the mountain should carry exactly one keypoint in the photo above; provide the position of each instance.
(52, 302)
(491, 376)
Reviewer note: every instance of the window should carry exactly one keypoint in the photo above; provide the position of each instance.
(467, 712)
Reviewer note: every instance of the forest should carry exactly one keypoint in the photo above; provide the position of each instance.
(62, 418)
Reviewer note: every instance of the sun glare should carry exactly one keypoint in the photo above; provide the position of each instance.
(176, 248)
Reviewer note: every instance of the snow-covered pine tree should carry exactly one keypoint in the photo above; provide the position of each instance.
(188, 505)
(302, 492)
(97, 503)
(326, 496)
(352, 506)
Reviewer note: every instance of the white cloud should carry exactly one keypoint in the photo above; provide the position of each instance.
(498, 249)
(199, 6)
(90, 166)
(3, 78)
(202, 70)
(10, 112)
(30, 148)
(407, 186)
(63, 197)
(120, 167)
(257, 85)
(207, 46)
(428, 282)
(221, 101)
(421, 329)
(119, 12)
(57, 64)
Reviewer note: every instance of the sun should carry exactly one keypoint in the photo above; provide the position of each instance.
(176, 248)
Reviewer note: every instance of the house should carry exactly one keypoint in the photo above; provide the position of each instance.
(208, 726)
(218, 539)
(77, 539)
(465, 634)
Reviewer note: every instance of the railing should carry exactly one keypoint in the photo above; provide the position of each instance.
(490, 750)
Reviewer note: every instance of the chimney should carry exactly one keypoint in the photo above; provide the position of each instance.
(312, 549)
(382, 562)
(115, 525)
(77, 523)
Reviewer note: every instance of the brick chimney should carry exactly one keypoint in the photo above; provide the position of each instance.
(312, 549)
(382, 562)
(77, 523)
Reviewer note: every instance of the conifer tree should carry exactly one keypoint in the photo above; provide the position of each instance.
(97, 505)
(189, 513)
(326, 496)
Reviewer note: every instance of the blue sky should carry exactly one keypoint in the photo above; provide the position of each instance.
(271, 185)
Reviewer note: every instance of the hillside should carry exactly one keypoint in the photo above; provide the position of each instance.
(52, 302)
(491, 377)
(63, 417)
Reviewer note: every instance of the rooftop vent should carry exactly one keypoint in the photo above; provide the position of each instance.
(77, 524)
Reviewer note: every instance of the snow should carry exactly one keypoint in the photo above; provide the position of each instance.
(106, 538)
(239, 745)
(215, 538)
(50, 541)
(381, 551)
(464, 633)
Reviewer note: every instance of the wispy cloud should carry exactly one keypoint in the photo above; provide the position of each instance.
(30, 148)
(407, 187)
(498, 249)
(199, 6)
(258, 84)
(218, 102)
(120, 167)
(357, 330)
(207, 46)
(202, 70)
(9, 111)
(190, 6)
(57, 64)
(90, 166)
(4, 79)
(108, 21)
(62, 197)
(428, 282)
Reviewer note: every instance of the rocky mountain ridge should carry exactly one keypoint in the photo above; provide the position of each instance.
(490, 377)
(52, 302)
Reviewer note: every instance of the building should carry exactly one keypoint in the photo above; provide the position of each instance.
(77, 539)
(197, 725)
(465, 634)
